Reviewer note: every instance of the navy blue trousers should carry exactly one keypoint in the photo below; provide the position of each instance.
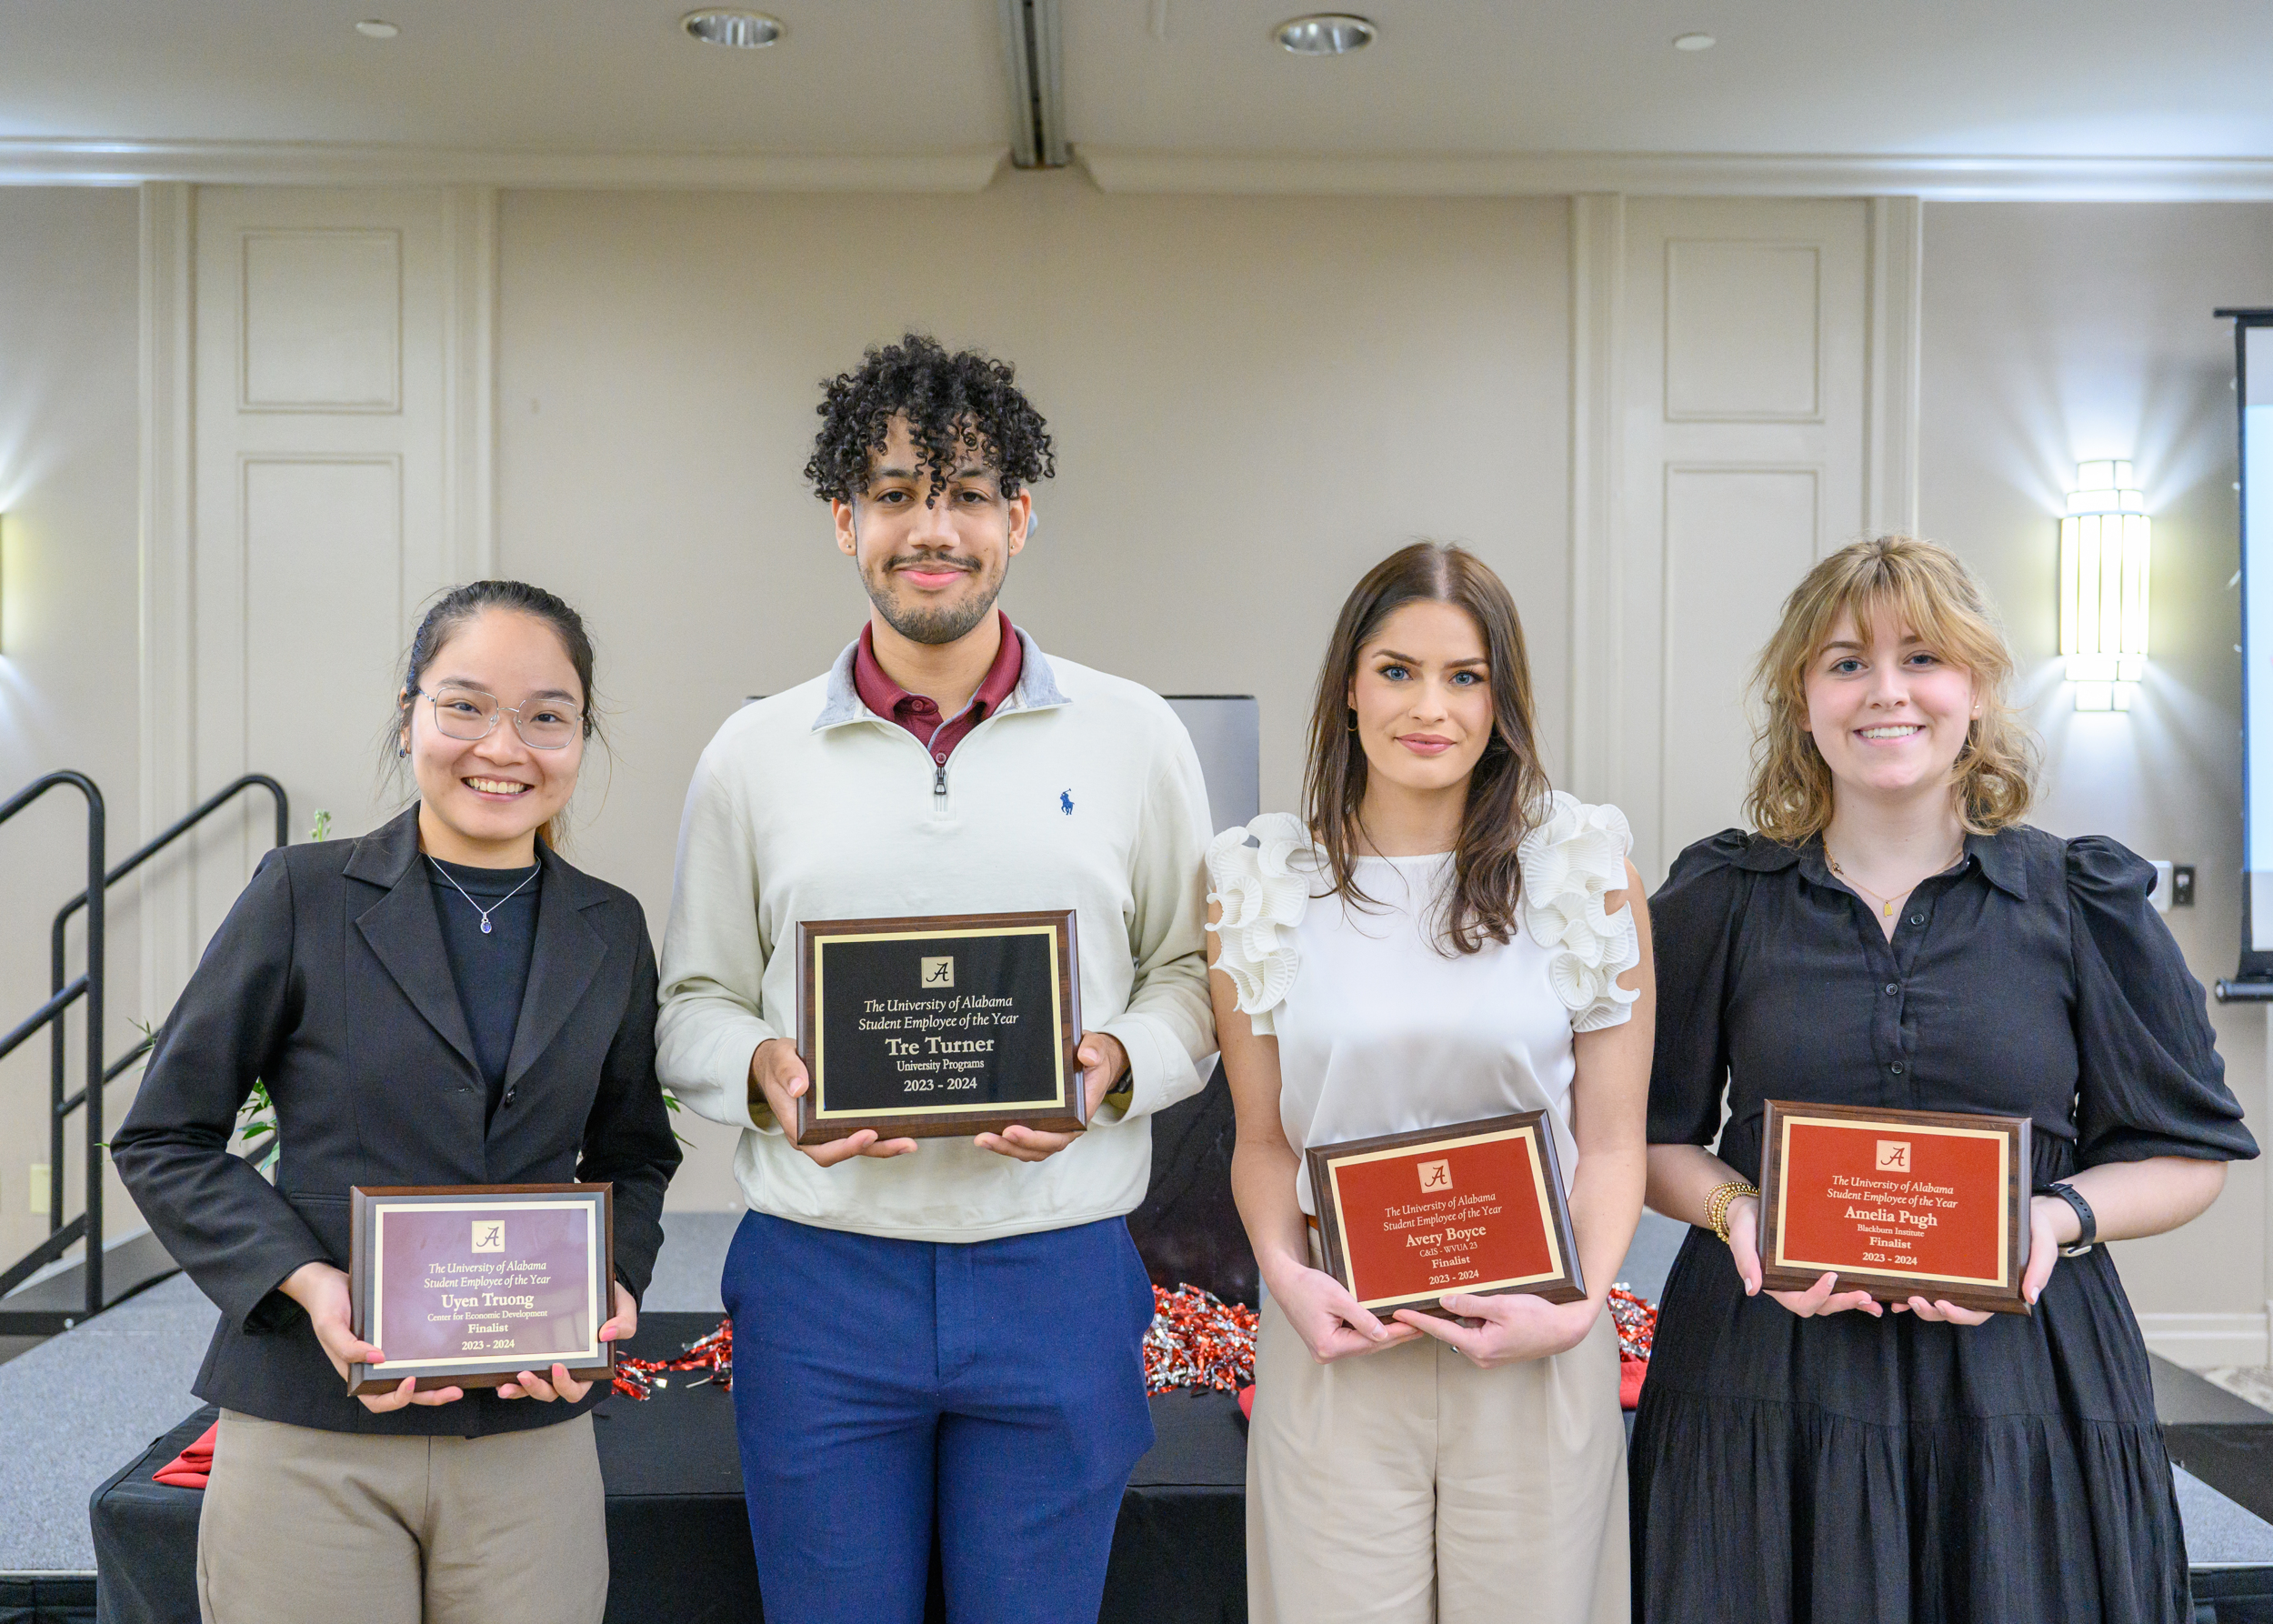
(882, 1388)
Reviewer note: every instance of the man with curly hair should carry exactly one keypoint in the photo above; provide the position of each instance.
(947, 1336)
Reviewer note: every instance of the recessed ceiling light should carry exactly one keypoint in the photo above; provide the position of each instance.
(1329, 33)
(1694, 42)
(372, 28)
(747, 29)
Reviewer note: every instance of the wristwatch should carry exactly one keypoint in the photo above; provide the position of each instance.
(2084, 1215)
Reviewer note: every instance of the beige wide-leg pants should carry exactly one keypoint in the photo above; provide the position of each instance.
(1409, 1487)
(305, 1527)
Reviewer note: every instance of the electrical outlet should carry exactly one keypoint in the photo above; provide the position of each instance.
(37, 1185)
(2182, 885)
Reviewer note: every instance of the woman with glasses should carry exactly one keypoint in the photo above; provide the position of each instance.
(444, 1001)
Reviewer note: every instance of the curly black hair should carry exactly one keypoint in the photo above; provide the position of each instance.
(955, 405)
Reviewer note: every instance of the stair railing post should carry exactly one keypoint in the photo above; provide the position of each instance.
(97, 886)
(54, 1085)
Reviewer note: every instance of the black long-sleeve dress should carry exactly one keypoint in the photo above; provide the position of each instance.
(1867, 1470)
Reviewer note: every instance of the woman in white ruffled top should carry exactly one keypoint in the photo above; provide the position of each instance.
(1443, 940)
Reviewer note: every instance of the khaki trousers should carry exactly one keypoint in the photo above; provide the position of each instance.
(305, 1527)
(1409, 1487)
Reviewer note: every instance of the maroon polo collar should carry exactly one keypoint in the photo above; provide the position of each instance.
(917, 713)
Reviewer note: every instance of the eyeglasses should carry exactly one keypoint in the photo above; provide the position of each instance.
(470, 714)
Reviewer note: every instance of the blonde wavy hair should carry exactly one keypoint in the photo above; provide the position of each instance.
(1926, 590)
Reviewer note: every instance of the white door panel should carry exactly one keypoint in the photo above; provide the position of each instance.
(328, 326)
(1731, 534)
(1743, 338)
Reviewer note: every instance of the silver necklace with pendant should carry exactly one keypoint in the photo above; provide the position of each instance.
(477, 907)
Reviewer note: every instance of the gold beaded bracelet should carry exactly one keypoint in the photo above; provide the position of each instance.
(1717, 1206)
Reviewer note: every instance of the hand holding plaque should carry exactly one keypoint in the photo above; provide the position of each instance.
(947, 1024)
(468, 1286)
(1900, 1204)
(1474, 1209)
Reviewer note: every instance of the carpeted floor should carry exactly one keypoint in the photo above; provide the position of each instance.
(2253, 1382)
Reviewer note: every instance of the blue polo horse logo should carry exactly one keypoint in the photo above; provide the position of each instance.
(1066, 802)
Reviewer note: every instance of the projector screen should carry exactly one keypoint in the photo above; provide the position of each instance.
(2253, 346)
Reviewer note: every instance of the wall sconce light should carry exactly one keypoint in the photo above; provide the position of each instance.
(2104, 546)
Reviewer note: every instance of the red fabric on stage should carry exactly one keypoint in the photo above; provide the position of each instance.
(1637, 1322)
(193, 1466)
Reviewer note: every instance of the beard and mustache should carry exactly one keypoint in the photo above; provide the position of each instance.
(925, 622)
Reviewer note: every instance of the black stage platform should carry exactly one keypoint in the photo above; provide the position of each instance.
(2227, 1443)
(678, 1543)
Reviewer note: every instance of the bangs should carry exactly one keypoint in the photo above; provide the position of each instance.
(1888, 583)
(1908, 594)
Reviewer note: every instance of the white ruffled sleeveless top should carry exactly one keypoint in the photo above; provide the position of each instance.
(1378, 1031)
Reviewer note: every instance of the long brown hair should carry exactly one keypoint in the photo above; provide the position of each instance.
(1509, 786)
(1927, 588)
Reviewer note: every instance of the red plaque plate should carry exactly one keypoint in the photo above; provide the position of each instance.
(468, 1286)
(1900, 1204)
(1476, 1208)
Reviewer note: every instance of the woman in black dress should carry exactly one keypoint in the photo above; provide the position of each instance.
(1894, 936)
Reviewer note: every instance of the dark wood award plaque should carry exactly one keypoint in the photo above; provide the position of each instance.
(1476, 1208)
(1900, 1204)
(944, 1024)
(468, 1285)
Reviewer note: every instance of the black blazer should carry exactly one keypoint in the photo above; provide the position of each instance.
(329, 982)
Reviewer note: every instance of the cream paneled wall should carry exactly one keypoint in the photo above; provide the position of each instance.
(331, 427)
(2055, 332)
(68, 631)
(1255, 398)
(1743, 336)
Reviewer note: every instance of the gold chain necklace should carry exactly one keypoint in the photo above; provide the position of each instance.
(1886, 904)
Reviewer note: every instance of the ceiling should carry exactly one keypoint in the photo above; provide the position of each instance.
(1448, 79)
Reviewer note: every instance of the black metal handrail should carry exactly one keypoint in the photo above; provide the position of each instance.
(89, 985)
(62, 1107)
(50, 1015)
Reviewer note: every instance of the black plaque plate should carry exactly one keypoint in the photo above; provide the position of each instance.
(942, 1024)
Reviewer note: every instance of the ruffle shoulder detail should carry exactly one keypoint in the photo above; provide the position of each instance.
(1571, 860)
(2105, 871)
(1263, 890)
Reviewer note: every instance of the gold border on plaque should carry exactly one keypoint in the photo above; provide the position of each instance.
(592, 1352)
(1538, 1180)
(823, 1112)
(1783, 1257)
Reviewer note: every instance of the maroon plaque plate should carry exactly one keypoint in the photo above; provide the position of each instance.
(942, 1024)
(469, 1285)
(1900, 1204)
(1478, 1209)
